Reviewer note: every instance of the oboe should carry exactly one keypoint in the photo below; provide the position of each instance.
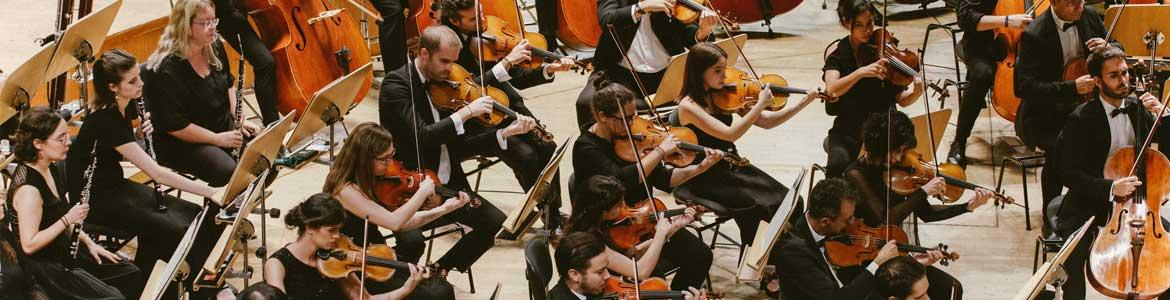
(76, 235)
(160, 206)
(239, 114)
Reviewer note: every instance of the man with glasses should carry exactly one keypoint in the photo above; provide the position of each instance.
(234, 27)
(1064, 33)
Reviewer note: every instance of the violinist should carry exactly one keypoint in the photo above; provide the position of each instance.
(1092, 132)
(1065, 32)
(192, 96)
(902, 278)
(117, 202)
(368, 151)
(526, 153)
(860, 84)
(43, 218)
(802, 265)
(599, 197)
(750, 194)
(392, 32)
(583, 263)
(977, 21)
(652, 36)
(293, 268)
(594, 152)
(867, 175)
(235, 29)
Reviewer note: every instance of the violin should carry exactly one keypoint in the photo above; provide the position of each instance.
(632, 225)
(497, 41)
(902, 65)
(651, 288)
(395, 186)
(912, 173)
(862, 243)
(460, 89)
(647, 136)
(739, 89)
(346, 258)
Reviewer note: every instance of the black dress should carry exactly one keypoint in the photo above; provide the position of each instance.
(62, 276)
(302, 281)
(15, 283)
(117, 202)
(868, 96)
(594, 155)
(749, 194)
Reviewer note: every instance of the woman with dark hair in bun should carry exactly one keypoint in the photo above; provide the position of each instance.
(293, 268)
(44, 220)
(118, 202)
(593, 154)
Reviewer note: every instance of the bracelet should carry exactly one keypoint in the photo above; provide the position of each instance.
(661, 152)
(1005, 21)
(507, 61)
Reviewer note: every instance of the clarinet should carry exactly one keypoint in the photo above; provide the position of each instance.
(76, 235)
(239, 113)
(149, 141)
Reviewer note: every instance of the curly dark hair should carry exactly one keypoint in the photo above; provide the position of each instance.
(595, 195)
(38, 123)
(826, 198)
(1097, 60)
(108, 70)
(610, 96)
(897, 276)
(449, 9)
(874, 136)
(848, 10)
(319, 210)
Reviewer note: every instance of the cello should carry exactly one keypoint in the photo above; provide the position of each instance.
(1007, 44)
(313, 44)
(577, 24)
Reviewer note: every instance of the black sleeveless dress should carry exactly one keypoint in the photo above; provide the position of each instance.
(53, 267)
(302, 281)
(749, 194)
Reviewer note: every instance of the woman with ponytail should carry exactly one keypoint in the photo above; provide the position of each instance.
(293, 268)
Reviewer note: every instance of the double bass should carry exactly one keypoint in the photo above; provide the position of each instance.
(313, 44)
(1007, 44)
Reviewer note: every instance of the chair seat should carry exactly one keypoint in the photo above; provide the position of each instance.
(1030, 159)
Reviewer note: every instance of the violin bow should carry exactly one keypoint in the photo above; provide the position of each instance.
(365, 244)
(727, 31)
(479, 36)
(637, 282)
(626, 124)
(889, 122)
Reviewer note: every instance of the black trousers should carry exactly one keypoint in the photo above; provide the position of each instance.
(262, 62)
(484, 220)
(690, 255)
(1050, 184)
(130, 207)
(206, 162)
(842, 151)
(546, 21)
(618, 75)
(1074, 266)
(980, 75)
(392, 33)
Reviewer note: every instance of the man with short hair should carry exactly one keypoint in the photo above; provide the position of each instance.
(583, 268)
(902, 278)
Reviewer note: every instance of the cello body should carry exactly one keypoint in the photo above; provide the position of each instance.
(313, 44)
(1007, 44)
(747, 11)
(577, 24)
(1129, 255)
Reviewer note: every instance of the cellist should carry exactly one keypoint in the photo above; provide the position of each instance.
(1095, 129)
(977, 20)
(1065, 32)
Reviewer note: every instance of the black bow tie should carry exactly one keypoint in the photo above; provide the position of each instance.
(1067, 26)
(1117, 111)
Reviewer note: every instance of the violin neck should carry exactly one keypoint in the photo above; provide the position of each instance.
(648, 295)
(783, 90)
(692, 5)
(387, 263)
(503, 109)
(907, 247)
(691, 147)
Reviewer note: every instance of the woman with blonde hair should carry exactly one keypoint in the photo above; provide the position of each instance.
(192, 98)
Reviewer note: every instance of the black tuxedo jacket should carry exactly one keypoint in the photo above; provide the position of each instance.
(675, 36)
(1083, 149)
(804, 273)
(561, 292)
(1045, 99)
(397, 112)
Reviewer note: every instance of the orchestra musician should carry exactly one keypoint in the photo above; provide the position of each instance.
(118, 202)
(977, 21)
(600, 195)
(878, 207)
(192, 96)
(437, 140)
(1116, 118)
(235, 29)
(392, 32)
(293, 268)
(1065, 32)
(546, 22)
(368, 151)
(902, 278)
(651, 35)
(862, 87)
(44, 218)
(526, 153)
(584, 265)
(802, 265)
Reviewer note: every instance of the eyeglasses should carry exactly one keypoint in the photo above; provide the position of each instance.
(208, 23)
(385, 160)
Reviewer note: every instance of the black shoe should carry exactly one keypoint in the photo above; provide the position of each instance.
(958, 154)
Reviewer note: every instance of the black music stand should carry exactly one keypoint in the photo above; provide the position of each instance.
(328, 108)
(1052, 272)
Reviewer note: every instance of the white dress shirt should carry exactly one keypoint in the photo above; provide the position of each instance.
(1070, 40)
(1120, 127)
(444, 171)
(646, 52)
